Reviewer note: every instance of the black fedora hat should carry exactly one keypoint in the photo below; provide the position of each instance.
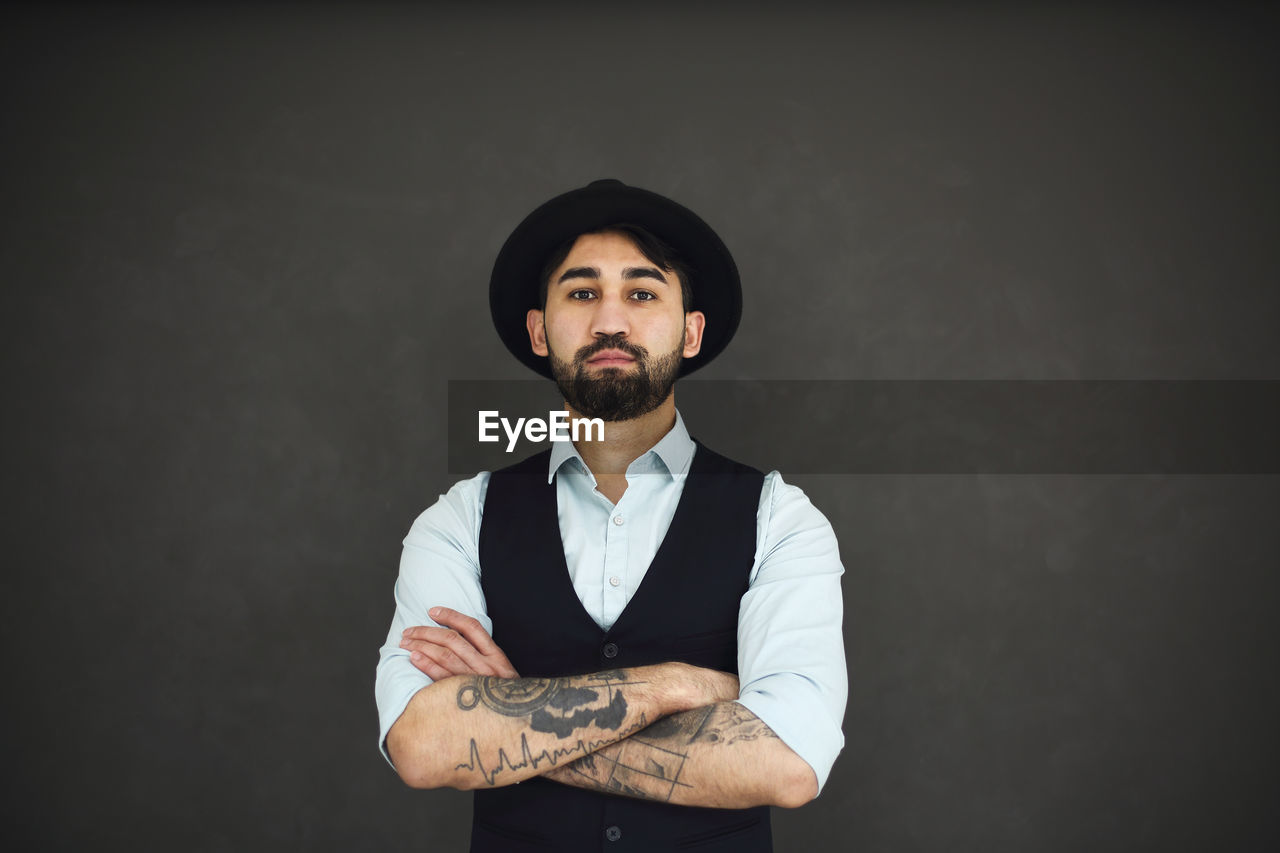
(514, 285)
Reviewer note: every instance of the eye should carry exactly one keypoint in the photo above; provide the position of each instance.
(644, 296)
(581, 295)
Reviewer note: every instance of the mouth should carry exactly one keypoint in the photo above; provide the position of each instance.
(610, 358)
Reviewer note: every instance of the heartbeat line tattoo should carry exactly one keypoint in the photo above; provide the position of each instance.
(528, 758)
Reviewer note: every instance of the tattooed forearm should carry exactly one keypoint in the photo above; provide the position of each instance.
(675, 756)
(529, 758)
(727, 724)
(465, 730)
(632, 768)
(553, 705)
(582, 713)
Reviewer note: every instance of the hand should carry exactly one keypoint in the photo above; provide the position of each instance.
(461, 647)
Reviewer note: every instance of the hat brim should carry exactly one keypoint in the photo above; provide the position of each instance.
(514, 284)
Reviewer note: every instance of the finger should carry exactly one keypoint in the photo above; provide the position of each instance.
(473, 631)
(419, 639)
(467, 626)
(443, 659)
(449, 659)
(501, 666)
(426, 632)
(450, 639)
(428, 667)
(432, 634)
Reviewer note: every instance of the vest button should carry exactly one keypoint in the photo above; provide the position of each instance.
(610, 650)
(613, 833)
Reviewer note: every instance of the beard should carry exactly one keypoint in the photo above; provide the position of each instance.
(616, 393)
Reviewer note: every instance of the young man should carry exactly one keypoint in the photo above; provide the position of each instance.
(643, 632)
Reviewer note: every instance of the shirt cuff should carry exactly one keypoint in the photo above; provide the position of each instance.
(807, 730)
(396, 683)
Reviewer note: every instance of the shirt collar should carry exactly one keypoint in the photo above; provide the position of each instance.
(674, 451)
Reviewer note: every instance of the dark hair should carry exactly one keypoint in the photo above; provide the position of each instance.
(652, 247)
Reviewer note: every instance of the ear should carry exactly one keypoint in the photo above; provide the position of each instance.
(537, 332)
(694, 323)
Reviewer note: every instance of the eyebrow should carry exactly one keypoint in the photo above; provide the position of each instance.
(627, 273)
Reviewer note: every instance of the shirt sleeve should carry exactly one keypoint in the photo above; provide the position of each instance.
(439, 566)
(790, 642)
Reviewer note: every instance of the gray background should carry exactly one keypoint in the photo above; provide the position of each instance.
(244, 250)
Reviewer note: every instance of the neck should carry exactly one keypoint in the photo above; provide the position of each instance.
(625, 441)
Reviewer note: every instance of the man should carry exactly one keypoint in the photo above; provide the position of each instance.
(644, 633)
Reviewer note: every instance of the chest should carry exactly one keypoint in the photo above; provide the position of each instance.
(683, 606)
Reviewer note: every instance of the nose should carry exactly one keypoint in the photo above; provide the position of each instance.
(610, 318)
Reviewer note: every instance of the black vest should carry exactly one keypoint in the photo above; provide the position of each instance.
(686, 609)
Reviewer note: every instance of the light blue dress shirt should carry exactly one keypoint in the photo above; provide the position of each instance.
(791, 667)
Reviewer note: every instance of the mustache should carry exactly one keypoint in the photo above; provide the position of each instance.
(611, 342)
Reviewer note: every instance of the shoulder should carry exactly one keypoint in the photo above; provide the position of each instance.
(456, 514)
(786, 516)
(776, 492)
(459, 511)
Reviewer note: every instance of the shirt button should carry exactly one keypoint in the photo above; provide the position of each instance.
(614, 581)
(613, 833)
(617, 520)
(610, 650)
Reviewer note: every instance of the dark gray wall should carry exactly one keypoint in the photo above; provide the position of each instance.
(245, 249)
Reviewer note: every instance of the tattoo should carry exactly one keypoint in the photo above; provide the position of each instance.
(510, 697)
(575, 716)
(680, 728)
(638, 769)
(530, 759)
(557, 706)
(553, 705)
(649, 764)
(731, 723)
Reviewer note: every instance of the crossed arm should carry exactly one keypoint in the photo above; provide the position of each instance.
(668, 732)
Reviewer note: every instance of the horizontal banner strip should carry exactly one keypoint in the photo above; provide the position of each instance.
(929, 426)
